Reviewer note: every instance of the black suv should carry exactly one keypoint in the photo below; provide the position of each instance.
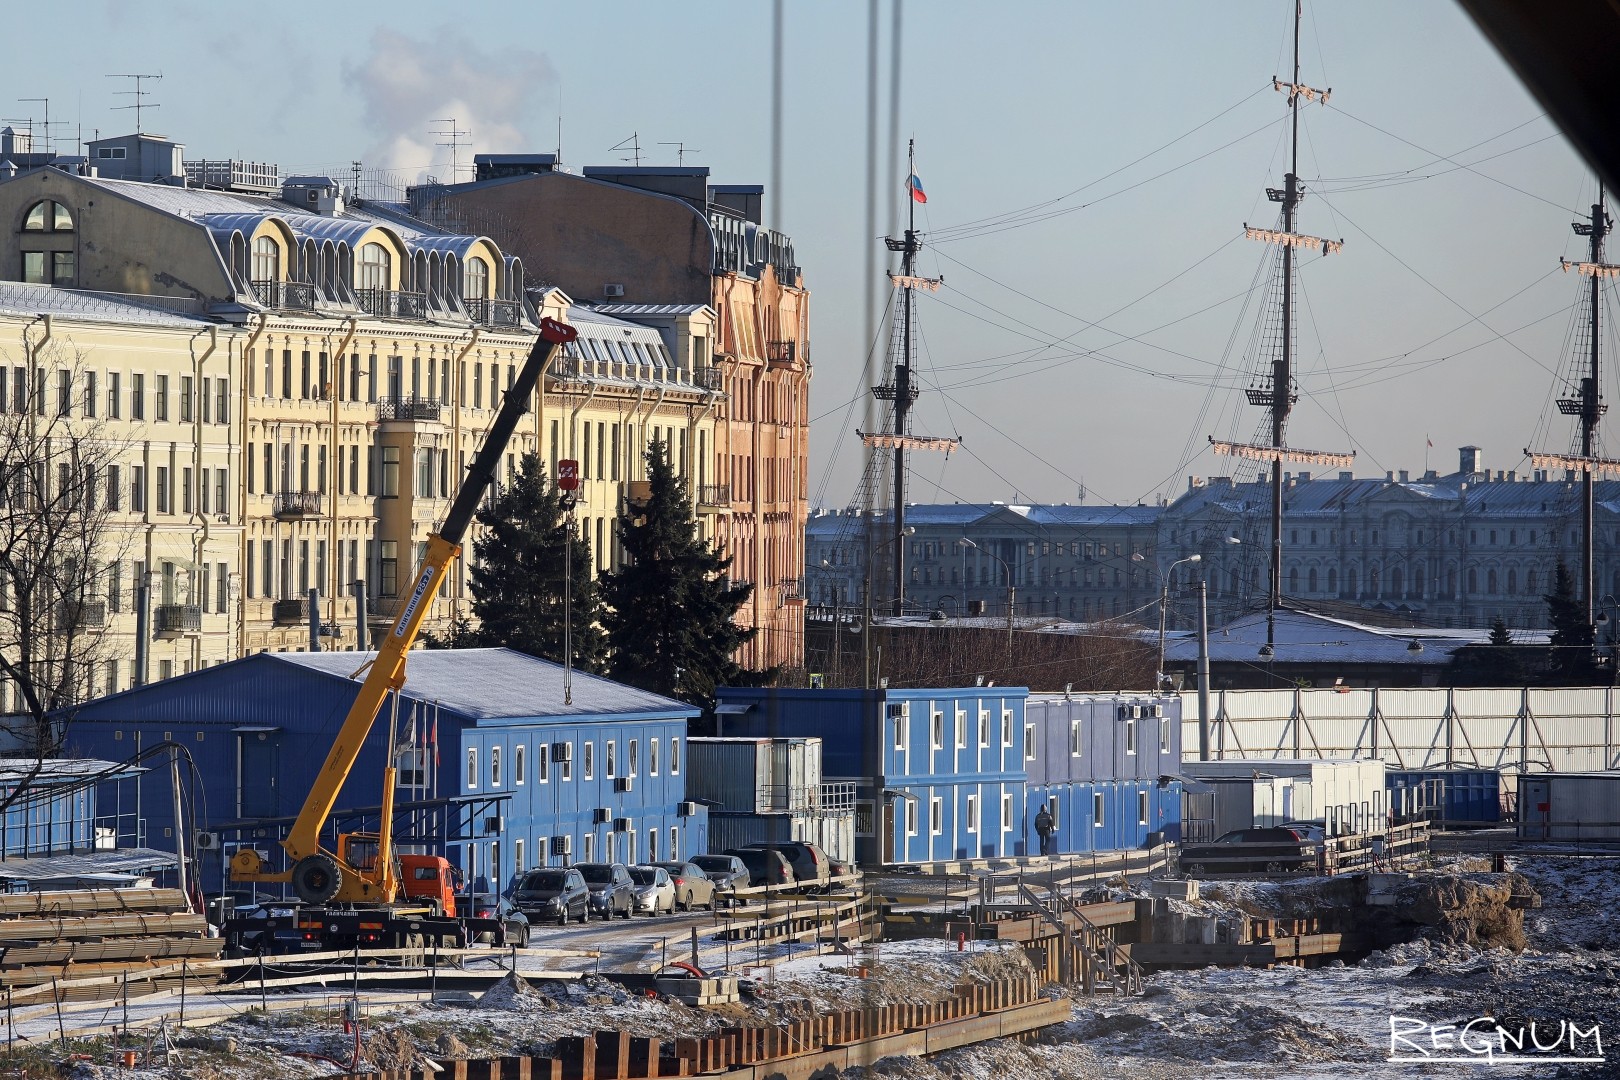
(1271, 850)
(811, 866)
(766, 866)
(554, 893)
(612, 891)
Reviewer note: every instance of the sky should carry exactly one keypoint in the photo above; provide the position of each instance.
(1089, 168)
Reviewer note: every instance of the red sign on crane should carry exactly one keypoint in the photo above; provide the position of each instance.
(568, 474)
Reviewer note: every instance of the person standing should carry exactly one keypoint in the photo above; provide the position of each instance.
(1043, 829)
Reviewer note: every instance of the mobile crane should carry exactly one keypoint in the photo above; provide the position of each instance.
(354, 894)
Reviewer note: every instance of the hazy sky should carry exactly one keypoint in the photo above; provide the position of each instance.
(1100, 337)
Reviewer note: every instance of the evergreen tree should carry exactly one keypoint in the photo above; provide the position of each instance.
(1572, 635)
(517, 577)
(671, 611)
(1498, 661)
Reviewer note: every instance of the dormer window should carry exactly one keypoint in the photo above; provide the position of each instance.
(266, 260)
(475, 282)
(48, 216)
(373, 267)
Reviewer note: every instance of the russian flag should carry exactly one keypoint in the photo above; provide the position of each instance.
(914, 185)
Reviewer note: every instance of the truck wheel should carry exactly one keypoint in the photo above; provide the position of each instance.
(315, 878)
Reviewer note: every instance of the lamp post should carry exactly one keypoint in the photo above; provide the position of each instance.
(1011, 591)
(1164, 602)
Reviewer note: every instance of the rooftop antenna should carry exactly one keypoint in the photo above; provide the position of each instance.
(455, 135)
(559, 122)
(47, 102)
(138, 94)
(680, 151)
(633, 144)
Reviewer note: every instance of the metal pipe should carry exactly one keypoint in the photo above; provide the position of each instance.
(143, 628)
(362, 640)
(1203, 670)
(179, 827)
(313, 605)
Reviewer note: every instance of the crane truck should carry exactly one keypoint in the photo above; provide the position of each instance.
(361, 893)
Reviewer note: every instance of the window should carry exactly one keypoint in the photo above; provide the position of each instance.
(936, 730)
(1164, 735)
(972, 816)
(611, 758)
(137, 396)
(137, 488)
(388, 567)
(517, 765)
(472, 768)
(1076, 739)
(590, 760)
(674, 843)
(517, 855)
(900, 729)
(1130, 736)
(542, 770)
(936, 816)
(652, 757)
(162, 489)
(372, 267)
(1006, 811)
(674, 757)
(48, 216)
(475, 283)
(1097, 809)
(390, 472)
(1141, 808)
(984, 728)
(911, 817)
(1029, 742)
(108, 153)
(185, 399)
(565, 767)
(631, 761)
(266, 260)
(961, 729)
(494, 766)
(1006, 728)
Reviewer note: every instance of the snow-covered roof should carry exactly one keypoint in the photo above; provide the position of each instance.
(19, 298)
(1301, 637)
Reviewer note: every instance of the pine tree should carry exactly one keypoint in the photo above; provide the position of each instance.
(1572, 635)
(517, 577)
(671, 611)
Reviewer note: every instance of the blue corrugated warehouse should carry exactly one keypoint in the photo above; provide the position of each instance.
(495, 771)
(940, 772)
(1106, 768)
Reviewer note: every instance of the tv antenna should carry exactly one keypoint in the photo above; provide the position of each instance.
(680, 151)
(30, 122)
(138, 94)
(455, 135)
(632, 144)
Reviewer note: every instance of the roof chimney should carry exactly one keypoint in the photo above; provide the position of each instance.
(1469, 460)
(1404, 476)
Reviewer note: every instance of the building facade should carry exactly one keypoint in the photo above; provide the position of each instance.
(1453, 550)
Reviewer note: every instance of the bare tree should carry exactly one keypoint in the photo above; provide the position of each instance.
(58, 534)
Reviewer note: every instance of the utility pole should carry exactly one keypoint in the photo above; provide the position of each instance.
(1203, 669)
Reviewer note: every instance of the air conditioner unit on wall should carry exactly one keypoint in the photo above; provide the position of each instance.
(562, 845)
(897, 709)
(624, 783)
(205, 841)
(623, 824)
(687, 809)
(612, 290)
(494, 826)
(562, 751)
(601, 815)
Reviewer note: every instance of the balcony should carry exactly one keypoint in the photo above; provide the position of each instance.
(714, 498)
(285, 295)
(791, 589)
(709, 378)
(781, 353)
(494, 312)
(289, 612)
(176, 619)
(408, 407)
(296, 505)
(77, 618)
(388, 304)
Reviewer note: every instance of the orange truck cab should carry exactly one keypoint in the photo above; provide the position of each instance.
(429, 879)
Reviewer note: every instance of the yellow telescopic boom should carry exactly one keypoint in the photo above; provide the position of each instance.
(319, 876)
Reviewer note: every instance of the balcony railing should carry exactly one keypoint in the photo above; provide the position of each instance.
(709, 378)
(781, 352)
(179, 619)
(408, 407)
(387, 304)
(494, 312)
(790, 588)
(87, 615)
(289, 612)
(714, 495)
(291, 505)
(285, 295)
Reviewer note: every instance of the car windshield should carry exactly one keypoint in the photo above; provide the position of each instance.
(551, 881)
(597, 875)
(713, 862)
(672, 867)
(643, 875)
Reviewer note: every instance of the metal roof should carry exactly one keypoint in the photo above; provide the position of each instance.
(665, 310)
(965, 515)
(48, 867)
(62, 770)
(23, 299)
(1306, 638)
(496, 684)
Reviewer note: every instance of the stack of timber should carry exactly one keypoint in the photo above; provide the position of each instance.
(106, 936)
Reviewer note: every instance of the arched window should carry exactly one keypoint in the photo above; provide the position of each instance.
(1473, 580)
(1310, 580)
(1293, 580)
(48, 216)
(373, 267)
(1417, 582)
(1512, 580)
(1372, 581)
(266, 260)
(1397, 578)
(1351, 580)
(1530, 582)
(1490, 582)
(475, 280)
(1333, 580)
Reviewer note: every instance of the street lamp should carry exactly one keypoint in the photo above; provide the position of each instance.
(1011, 591)
(1164, 602)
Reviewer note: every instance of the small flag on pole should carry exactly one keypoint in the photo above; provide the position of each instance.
(914, 185)
(434, 739)
(1430, 442)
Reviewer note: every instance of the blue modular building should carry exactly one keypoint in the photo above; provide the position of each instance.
(494, 771)
(939, 773)
(50, 805)
(1106, 768)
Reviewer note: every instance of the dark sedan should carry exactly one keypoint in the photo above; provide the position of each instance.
(552, 894)
(727, 872)
(612, 891)
(1249, 851)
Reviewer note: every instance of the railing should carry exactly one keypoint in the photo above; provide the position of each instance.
(1103, 964)
(570, 368)
(296, 504)
(714, 494)
(407, 407)
(284, 295)
(289, 612)
(494, 312)
(89, 615)
(387, 304)
(709, 378)
(781, 352)
(178, 619)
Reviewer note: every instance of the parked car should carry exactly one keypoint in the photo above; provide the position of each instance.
(1272, 850)
(766, 866)
(1314, 831)
(728, 874)
(514, 924)
(554, 893)
(612, 891)
(693, 889)
(811, 867)
(654, 891)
